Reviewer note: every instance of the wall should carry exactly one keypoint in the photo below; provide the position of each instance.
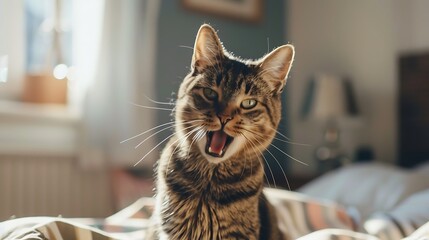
(361, 40)
(411, 31)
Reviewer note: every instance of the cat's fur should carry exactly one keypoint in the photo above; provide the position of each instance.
(213, 194)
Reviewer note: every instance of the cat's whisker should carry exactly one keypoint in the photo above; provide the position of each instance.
(149, 130)
(269, 168)
(157, 145)
(268, 45)
(158, 102)
(251, 167)
(278, 163)
(166, 128)
(245, 161)
(165, 139)
(172, 153)
(140, 134)
(281, 168)
(293, 143)
(180, 123)
(157, 108)
(279, 133)
(150, 107)
(288, 155)
(183, 139)
(144, 140)
(279, 139)
(202, 133)
(188, 47)
(174, 110)
(193, 139)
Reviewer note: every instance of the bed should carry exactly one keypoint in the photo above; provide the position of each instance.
(362, 201)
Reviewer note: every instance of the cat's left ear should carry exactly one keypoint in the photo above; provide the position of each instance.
(275, 66)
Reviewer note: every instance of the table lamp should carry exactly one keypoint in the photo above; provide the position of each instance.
(329, 98)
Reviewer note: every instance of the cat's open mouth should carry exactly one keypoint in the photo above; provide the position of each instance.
(217, 143)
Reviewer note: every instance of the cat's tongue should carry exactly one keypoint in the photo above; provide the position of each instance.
(218, 142)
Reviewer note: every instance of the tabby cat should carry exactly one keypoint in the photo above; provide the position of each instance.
(210, 175)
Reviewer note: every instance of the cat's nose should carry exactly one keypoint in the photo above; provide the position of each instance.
(224, 118)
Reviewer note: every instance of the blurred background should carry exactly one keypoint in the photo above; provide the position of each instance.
(80, 81)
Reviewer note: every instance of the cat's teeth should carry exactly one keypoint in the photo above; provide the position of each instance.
(210, 150)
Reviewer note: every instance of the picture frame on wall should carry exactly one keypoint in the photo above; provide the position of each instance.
(243, 10)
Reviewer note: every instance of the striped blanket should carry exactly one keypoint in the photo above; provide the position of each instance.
(300, 217)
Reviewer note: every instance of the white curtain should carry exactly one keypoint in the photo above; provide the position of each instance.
(12, 44)
(116, 68)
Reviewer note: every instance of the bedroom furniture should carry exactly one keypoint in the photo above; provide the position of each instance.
(40, 172)
(413, 109)
(329, 97)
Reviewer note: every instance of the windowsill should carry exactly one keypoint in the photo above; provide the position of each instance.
(38, 129)
(47, 112)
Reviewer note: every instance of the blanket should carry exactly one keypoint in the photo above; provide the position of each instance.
(300, 217)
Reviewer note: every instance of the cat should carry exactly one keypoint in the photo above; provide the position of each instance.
(209, 178)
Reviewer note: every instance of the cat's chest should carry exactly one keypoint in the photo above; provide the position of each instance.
(193, 219)
(202, 218)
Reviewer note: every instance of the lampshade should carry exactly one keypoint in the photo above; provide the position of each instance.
(329, 96)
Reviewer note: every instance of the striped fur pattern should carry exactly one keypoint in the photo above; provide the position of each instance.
(217, 194)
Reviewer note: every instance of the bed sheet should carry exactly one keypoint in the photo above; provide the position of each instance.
(300, 217)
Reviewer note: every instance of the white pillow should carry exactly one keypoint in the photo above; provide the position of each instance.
(369, 187)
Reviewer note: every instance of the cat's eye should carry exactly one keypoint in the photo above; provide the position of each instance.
(210, 94)
(248, 103)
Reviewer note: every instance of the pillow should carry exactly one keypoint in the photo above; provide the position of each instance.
(369, 187)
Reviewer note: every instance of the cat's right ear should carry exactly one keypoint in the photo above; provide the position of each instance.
(208, 49)
(276, 66)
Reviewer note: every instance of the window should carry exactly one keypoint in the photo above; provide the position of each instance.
(48, 36)
(36, 37)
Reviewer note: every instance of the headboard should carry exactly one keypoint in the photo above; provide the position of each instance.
(413, 109)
